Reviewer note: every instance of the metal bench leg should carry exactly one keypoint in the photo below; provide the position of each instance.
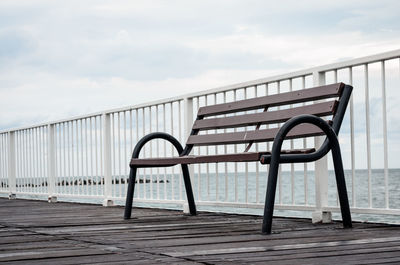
(341, 183)
(189, 191)
(270, 196)
(129, 195)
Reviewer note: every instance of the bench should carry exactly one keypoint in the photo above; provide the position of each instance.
(302, 120)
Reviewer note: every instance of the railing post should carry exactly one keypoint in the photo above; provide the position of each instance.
(51, 163)
(321, 172)
(107, 160)
(11, 166)
(188, 122)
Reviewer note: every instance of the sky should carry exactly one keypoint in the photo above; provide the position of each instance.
(64, 58)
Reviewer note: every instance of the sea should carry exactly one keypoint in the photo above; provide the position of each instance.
(249, 190)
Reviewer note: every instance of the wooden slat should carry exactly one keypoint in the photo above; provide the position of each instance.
(303, 130)
(170, 161)
(322, 92)
(240, 157)
(270, 117)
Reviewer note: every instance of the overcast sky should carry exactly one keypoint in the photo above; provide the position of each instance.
(64, 58)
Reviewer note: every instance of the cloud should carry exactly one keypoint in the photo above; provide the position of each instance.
(38, 99)
(14, 45)
(296, 49)
(69, 58)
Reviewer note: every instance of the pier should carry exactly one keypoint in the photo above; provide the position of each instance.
(86, 159)
(37, 232)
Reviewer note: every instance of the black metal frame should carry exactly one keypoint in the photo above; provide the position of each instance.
(330, 143)
(333, 144)
(274, 159)
(132, 173)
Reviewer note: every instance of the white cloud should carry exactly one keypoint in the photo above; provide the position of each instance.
(298, 49)
(39, 99)
(79, 57)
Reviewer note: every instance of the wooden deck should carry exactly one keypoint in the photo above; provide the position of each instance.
(36, 232)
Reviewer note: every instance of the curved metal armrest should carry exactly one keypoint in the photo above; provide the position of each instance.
(132, 174)
(302, 158)
(156, 135)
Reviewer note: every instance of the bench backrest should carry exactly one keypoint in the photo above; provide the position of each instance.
(213, 117)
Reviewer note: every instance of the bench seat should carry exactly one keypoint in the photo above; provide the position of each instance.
(191, 159)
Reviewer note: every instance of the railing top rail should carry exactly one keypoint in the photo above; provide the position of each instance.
(292, 75)
(359, 61)
(52, 122)
(99, 113)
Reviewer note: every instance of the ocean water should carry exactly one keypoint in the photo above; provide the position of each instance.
(221, 187)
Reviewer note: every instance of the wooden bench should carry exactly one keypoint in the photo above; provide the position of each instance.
(299, 122)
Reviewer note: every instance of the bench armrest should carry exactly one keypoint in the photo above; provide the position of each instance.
(156, 135)
(302, 158)
(133, 171)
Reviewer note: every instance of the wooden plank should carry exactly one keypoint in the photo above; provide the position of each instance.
(27, 238)
(239, 157)
(132, 257)
(311, 252)
(171, 161)
(42, 254)
(377, 258)
(287, 98)
(236, 248)
(94, 259)
(269, 117)
(171, 241)
(36, 245)
(98, 235)
(265, 135)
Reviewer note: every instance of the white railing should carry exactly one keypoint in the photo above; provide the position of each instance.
(87, 157)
